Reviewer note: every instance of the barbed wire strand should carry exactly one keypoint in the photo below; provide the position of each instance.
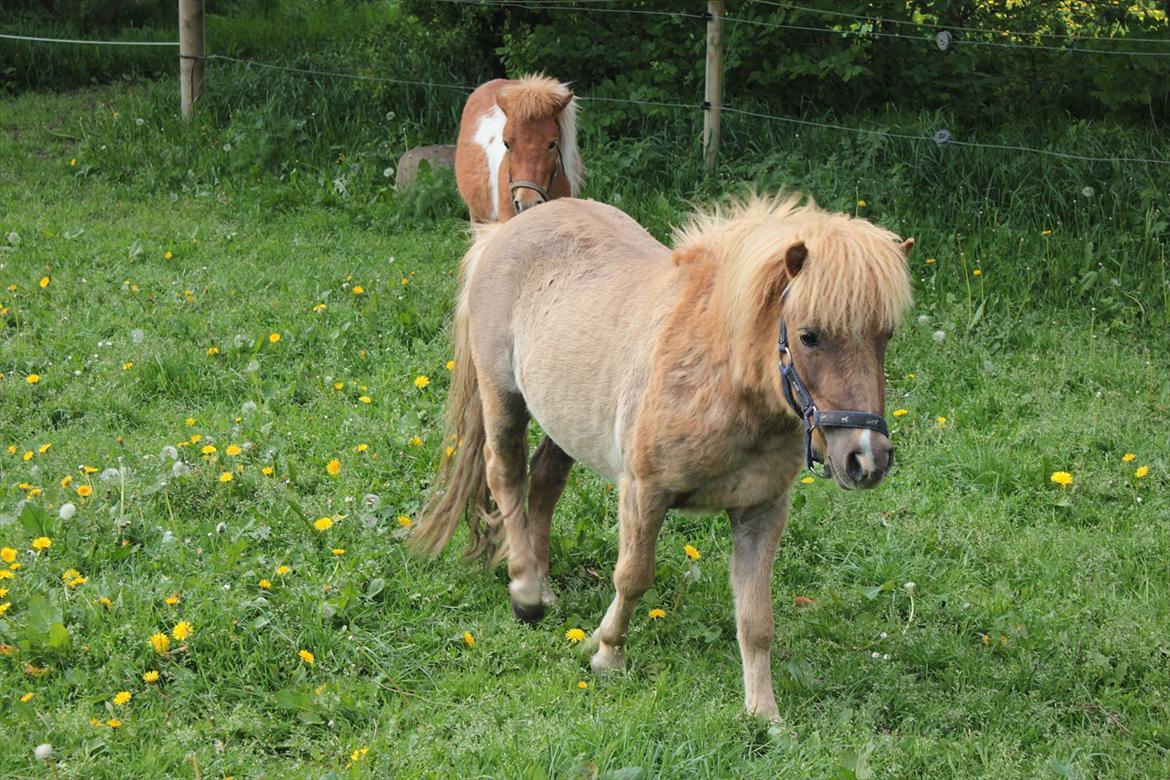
(90, 43)
(948, 142)
(336, 74)
(929, 40)
(938, 25)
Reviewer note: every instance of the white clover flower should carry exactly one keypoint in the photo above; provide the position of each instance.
(939, 336)
(923, 319)
(14, 240)
(43, 751)
(909, 586)
(67, 511)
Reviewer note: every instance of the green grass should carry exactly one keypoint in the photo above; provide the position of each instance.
(1034, 646)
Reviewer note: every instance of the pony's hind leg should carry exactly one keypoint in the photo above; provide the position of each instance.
(755, 535)
(505, 454)
(640, 515)
(548, 474)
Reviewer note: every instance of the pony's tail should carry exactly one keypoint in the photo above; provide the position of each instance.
(462, 488)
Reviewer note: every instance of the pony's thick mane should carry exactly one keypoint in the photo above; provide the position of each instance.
(536, 96)
(854, 280)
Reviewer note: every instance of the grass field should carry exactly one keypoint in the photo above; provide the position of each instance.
(1032, 643)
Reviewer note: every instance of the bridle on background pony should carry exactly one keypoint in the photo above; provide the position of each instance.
(531, 185)
(801, 401)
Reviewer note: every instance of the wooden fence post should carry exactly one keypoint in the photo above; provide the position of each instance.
(191, 53)
(713, 96)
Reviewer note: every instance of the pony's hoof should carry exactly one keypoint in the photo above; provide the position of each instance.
(547, 596)
(607, 661)
(529, 614)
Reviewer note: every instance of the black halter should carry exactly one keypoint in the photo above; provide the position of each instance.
(531, 185)
(801, 401)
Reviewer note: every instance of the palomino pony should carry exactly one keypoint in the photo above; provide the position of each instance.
(517, 147)
(671, 373)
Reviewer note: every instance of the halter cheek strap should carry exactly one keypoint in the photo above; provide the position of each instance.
(801, 401)
(531, 185)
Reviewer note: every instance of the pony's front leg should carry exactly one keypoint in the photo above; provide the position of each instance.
(640, 515)
(756, 534)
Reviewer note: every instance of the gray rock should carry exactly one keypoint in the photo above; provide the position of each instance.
(438, 155)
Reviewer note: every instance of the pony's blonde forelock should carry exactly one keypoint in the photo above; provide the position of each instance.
(854, 280)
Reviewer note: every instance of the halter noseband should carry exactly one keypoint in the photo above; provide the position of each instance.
(531, 185)
(801, 401)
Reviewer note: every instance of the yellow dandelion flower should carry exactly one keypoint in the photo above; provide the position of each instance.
(656, 614)
(361, 448)
(405, 521)
(105, 602)
(691, 552)
(900, 412)
(209, 449)
(333, 467)
(11, 449)
(468, 639)
(582, 684)
(1128, 457)
(212, 351)
(338, 551)
(449, 451)
(320, 307)
(90, 470)
(28, 455)
(151, 676)
(182, 631)
(66, 481)
(44, 448)
(358, 289)
(44, 282)
(574, 635)
(114, 723)
(8, 554)
(1062, 478)
(323, 523)
(1141, 471)
(190, 421)
(450, 365)
(266, 471)
(365, 399)
(226, 477)
(861, 204)
(233, 450)
(85, 491)
(160, 642)
(168, 255)
(307, 657)
(415, 441)
(172, 599)
(941, 421)
(265, 584)
(807, 480)
(339, 385)
(42, 543)
(1045, 232)
(421, 381)
(977, 272)
(27, 697)
(5, 574)
(129, 364)
(282, 570)
(76, 581)
(33, 492)
(122, 698)
(273, 338)
(405, 281)
(5, 607)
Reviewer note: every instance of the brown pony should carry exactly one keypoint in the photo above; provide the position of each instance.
(658, 369)
(517, 147)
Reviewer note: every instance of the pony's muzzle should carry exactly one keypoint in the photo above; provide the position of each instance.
(859, 459)
(522, 202)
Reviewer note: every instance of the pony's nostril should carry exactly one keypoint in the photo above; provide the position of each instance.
(517, 205)
(853, 468)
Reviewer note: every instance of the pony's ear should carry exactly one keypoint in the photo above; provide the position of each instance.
(794, 258)
(906, 246)
(503, 98)
(564, 101)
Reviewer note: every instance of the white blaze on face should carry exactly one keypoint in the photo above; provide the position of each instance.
(865, 452)
(489, 134)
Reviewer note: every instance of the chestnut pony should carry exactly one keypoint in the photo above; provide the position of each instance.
(517, 147)
(690, 377)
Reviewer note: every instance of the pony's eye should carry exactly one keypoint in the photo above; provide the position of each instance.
(507, 145)
(808, 338)
(552, 145)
